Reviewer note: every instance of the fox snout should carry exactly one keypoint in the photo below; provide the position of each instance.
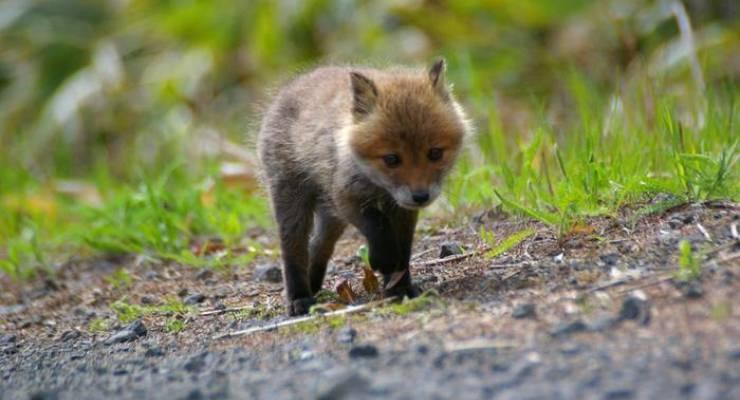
(415, 198)
(420, 197)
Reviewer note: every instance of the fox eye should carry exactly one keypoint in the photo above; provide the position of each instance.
(435, 154)
(392, 160)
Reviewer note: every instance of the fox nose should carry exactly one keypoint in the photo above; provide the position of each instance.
(420, 197)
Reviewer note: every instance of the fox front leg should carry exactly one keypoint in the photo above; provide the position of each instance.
(390, 234)
(294, 215)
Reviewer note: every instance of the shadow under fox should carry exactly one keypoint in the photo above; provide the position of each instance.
(358, 146)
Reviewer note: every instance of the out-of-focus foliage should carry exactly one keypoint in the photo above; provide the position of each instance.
(125, 124)
(137, 82)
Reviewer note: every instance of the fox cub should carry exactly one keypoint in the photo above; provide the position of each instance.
(359, 146)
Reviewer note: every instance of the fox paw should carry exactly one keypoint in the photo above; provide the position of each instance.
(402, 291)
(300, 306)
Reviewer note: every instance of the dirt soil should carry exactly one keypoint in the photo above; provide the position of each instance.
(596, 313)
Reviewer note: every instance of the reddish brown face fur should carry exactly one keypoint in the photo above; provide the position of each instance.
(419, 126)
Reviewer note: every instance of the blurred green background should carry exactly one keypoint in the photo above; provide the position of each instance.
(108, 83)
(99, 99)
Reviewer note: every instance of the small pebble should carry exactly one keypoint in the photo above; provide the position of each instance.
(148, 300)
(693, 290)
(450, 249)
(365, 351)
(204, 274)
(526, 310)
(635, 309)
(154, 351)
(568, 328)
(194, 299)
(129, 333)
(346, 335)
(69, 335)
(268, 273)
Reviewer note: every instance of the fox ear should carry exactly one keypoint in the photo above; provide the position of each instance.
(437, 77)
(364, 95)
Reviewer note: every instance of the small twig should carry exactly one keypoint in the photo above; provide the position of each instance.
(446, 260)
(421, 254)
(659, 280)
(704, 232)
(224, 310)
(511, 275)
(607, 285)
(731, 257)
(509, 265)
(295, 321)
(733, 230)
(478, 344)
(721, 248)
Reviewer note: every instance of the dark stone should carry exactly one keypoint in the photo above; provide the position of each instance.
(196, 363)
(346, 335)
(193, 299)
(568, 328)
(12, 309)
(366, 351)
(154, 351)
(618, 394)
(129, 333)
(635, 309)
(78, 355)
(195, 394)
(147, 300)
(610, 259)
(151, 275)
(268, 273)
(7, 339)
(44, 395)
(183, 292)
(450, 249)
(693, 290)
(734, 354)
(422, 349)
(526, 310)
(346, 386)
(604, 323)
(204, 274)
(571, 349)
(69, 335)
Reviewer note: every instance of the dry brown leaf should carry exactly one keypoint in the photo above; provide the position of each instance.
(582, 229)
(396, 278)
(370, 281)
(207, 247)
(345, 292)
(333, 306)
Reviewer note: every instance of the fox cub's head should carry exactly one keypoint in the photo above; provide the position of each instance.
(407, 132)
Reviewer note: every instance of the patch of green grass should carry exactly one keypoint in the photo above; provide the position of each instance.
(314, 326)
(174, 325)
(98, 325)
(326, 296)
(509, 243)
(259, 311)
(162, 218)
(127, 312)
(689, 266)
(423, 302)
(120, 279)
(597, 165)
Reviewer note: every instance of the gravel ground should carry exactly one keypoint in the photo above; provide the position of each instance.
(596, 313)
